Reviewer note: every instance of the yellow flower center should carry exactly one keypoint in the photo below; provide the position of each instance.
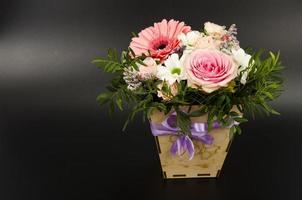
(175, 70)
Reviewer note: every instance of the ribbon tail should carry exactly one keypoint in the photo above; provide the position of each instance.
(203, 137)
(174, 148)
(160, 129)
(181, 145)
(177, 147)
(189, 147)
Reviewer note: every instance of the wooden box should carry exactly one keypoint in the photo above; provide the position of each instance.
(207, 161)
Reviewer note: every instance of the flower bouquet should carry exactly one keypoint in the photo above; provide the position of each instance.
(194, 87)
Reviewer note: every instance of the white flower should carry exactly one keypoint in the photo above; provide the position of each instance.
(148, 70)
(189, 39)
(242, 59)
(167, 96)
(214, 30)
(172, 70)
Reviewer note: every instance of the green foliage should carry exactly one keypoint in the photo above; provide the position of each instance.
(264, 84)
(130, 59)
(111, 63)
(183, 121)
(117, 96)
(104, 97)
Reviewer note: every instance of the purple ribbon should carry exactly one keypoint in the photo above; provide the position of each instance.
(199, 131)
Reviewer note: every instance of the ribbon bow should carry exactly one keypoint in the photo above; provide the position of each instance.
(199, 131)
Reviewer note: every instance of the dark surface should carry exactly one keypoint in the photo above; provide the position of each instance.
(56, 143)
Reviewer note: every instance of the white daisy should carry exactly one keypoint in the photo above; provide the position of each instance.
(189, 40)
(242, 60)
(172, 70)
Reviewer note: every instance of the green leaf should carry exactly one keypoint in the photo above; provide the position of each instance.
(160, 106)
(134, 65)
(199, 112)
(104, 97)
(269, 95)
(111, 63)
(112, 55)
(211, 115)
(119, 103)
(234, 114)
(125, 125)
(183, 121)
(220, 100)
(131, 52)
(232, 132)
(238, 130)
(274, 112)
(272, 55)
(141, 62)
(150, 112)
(111, 108)
(240, 119)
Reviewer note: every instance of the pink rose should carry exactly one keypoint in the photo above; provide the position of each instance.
(209, 69)
(146, 72)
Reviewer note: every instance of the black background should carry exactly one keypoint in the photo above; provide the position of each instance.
(56, 143)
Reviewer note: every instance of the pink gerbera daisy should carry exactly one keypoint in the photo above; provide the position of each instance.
(160, 40)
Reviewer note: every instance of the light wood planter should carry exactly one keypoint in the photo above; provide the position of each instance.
(208, 159)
